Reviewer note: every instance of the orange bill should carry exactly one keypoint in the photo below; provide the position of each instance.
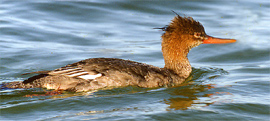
(213, 40)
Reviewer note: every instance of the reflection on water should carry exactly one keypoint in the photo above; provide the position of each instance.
(190, 98)
(193, 94)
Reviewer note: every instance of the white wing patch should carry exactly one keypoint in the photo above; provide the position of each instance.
(90, 76)
(74, 72)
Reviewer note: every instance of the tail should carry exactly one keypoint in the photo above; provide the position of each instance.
(28, 83)
(12, 85)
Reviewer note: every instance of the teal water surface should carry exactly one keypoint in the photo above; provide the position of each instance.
(228, 82)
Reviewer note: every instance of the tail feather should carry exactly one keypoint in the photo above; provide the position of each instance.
(12, 85)
(22, 84)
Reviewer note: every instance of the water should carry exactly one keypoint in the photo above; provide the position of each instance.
(228, 82)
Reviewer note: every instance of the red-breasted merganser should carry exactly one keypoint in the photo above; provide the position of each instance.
(182, 34)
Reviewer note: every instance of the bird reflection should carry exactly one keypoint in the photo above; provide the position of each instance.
(193, 94)
(187, 97)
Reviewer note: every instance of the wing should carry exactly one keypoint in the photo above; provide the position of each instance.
(75, 72)
(68, 71)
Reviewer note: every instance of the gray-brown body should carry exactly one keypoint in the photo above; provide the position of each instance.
(114, 73)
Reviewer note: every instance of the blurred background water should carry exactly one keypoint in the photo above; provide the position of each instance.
(228, 82)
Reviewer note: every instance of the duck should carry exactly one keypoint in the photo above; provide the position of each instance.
(181, 35)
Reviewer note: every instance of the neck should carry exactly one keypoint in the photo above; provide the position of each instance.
(175, 57)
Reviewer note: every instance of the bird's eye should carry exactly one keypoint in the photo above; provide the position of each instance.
(198, 35)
